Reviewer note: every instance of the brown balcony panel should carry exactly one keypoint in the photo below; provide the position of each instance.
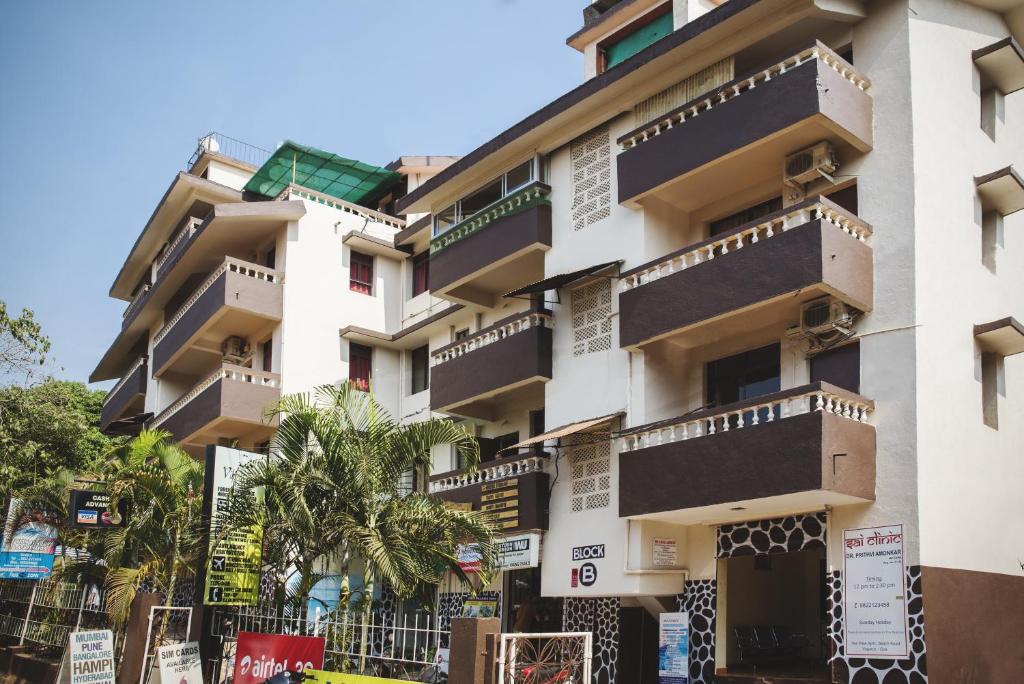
(800, 462)
(507, 253)
(496, 369)
(794, 109)
(531, 506)
(234, 304)
(227, 408)
(812, 259)
(126, 397)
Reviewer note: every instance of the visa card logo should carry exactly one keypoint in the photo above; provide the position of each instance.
(88, 517)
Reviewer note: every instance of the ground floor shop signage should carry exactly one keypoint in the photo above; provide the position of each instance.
(673, 648)
(90, 509)
(259, 657)
(28, 545)
(180, 663)
(480, 608)
(91, 657)
(876, 597)
(500, 502)
(664, 554)
(233, 568)
(519, 551)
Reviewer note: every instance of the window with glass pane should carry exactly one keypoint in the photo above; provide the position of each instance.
(445, 219)
(360, 362)
(518, 177)
(420, 364)
(420, 273)
(485, 196)
(361, 273)
(744, 376)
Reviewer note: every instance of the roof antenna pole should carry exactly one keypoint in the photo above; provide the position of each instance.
(293, 168)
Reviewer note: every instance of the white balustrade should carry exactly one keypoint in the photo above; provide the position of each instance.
(499, 471)
(184, 234)
(750, 235)
(480, 340)
(749, 416)
(230, 265)
(225, 372)
(134, 304)
(124, 378)
(341, 205)
(731, 91)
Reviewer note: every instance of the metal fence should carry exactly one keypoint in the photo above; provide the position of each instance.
(549, 657)
(44, 612)
(229, 147)
(405, 649)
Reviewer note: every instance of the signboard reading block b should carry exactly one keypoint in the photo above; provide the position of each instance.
(92, 657)
(233, 568)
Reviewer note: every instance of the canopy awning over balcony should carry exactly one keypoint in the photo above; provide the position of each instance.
(561, 280)
(565, 431)
(347, 179)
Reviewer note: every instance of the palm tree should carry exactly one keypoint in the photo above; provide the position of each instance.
(161, 539)
(332, 490)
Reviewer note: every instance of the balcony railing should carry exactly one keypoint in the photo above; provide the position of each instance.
(749, 234)
(529, 196)
(135, 304)
(489, 336)
(230, 265)
(219, 143)
(341, 205)
(497, 471)
(749, 414)
(178, 245)
(225, 372)
(738, 87)
(124, 379)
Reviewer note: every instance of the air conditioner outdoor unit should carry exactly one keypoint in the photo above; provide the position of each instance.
(824, 315)
(235, 349)
(811, 164)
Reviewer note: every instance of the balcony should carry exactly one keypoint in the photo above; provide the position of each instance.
(510, 359)
(746, 127)
(763, 269)
(127, 396)
(231, 403)
(515, 489)
(238, 298)
(782, 453)
(494, 251)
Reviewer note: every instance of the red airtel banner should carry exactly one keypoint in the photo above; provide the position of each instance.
(258, 657)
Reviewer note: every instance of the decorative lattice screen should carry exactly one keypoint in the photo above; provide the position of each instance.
(689, 88)
(591, 177)
(590, 477)
(591, 318)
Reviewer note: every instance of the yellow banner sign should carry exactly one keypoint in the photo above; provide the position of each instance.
(321, 677)
(506, 494)
(491, 486)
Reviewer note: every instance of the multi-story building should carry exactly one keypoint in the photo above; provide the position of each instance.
(749, 292)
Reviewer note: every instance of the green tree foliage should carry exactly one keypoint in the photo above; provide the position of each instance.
(46, 428)
(332, 490)
(23, 346)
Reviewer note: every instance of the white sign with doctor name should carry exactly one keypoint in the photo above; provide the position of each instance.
(180, 663)
(876, 597)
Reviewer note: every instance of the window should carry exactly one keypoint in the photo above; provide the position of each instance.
(537, 427)
(747, 215)
(839, 366)
(637, 36)
(590, 476)
(420, 273)
(360, 362)
(270, 258)
(743, 376)
(505, 441)
(419, 362)
(591, 318)
(268, 355)
(360, 273)
(481, 198)
(461, 334)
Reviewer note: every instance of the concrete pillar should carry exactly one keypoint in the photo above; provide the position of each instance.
(467, 660)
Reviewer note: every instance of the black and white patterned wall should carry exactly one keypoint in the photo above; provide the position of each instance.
(700, 601)
(601, 617)
(449, 605)
(778, 535)
(912, 670)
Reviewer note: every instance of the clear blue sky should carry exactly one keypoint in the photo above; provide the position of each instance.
(101, 104)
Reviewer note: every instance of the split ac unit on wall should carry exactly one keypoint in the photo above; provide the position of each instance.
(235, 350)
(809, 165)
(824, 322)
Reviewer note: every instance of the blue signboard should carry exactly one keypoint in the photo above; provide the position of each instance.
(25, 565)
(674, 649)
(29, 545)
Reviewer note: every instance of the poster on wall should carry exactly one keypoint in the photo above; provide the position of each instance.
(664, 553)
(258, 657)
(90, 509)
(468, 557)
(180, 663)
(673, 648)
(519, 551)
(91, 657)
(233, 562)
(27, 552)
(875, 592)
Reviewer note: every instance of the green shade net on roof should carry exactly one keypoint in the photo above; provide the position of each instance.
(346, 179)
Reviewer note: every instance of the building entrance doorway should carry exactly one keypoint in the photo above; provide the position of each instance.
(776, 616)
